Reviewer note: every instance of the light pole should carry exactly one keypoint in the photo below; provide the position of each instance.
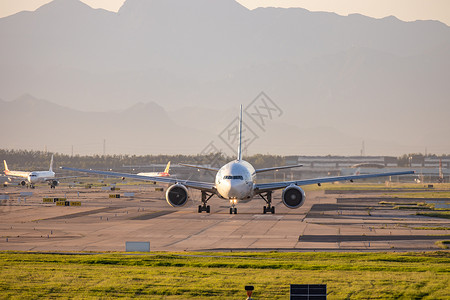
(249, 289)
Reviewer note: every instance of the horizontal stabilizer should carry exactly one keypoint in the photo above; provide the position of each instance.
(200, 167)
(277, 168)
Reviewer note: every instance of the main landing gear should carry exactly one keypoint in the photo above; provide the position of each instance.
(203, 207)
(268, 198)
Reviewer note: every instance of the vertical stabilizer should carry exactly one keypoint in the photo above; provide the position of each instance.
(167, 168)
(51, 164)
(6, 166)
(240, 137)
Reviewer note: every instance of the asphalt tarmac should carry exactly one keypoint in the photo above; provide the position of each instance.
(326, 222)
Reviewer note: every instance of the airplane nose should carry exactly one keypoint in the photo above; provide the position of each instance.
(225, 188)
(237, 190)
(234, 189)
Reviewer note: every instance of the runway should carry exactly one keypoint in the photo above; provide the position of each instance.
(326, 222)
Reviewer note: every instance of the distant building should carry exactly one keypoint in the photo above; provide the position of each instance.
(338, 162)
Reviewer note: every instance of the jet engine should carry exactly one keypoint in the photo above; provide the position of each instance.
(177, 195)
(293, 196)
(23, 183)
(53, 183)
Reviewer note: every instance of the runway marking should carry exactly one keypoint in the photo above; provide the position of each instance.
(82, 214)
(152, 215)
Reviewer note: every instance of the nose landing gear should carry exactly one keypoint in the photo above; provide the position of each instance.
(233, 209)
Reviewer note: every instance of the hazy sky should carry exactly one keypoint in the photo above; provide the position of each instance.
(407, 10)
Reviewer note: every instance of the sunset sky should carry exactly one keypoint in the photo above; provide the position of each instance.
(406, 10)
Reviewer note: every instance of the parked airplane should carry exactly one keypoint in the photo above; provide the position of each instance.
(31, 178)
(237, 181)
(158, 174)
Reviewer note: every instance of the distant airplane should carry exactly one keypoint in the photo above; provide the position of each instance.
(237, 181)
(166, 173)
(31, 178)
(157, 174)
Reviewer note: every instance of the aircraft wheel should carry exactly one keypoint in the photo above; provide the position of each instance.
(231, 210)
(235, 210)
(208, 209)
(199, 209)
(264, 210)
(273, 209)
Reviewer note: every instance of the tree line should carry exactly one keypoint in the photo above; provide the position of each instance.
(40, 160)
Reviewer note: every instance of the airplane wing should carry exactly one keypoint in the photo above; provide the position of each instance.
(200, 167)
(203, 186)
(277, 168)
(60, 178)
(266, 187)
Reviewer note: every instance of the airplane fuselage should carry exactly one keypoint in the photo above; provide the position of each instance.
(40, 176)
(235, 180)
(154, 174)
(32, 177)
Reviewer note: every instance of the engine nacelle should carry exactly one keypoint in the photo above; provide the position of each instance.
(23, 183)
(53, 183)
(177, 195)
(293, 196)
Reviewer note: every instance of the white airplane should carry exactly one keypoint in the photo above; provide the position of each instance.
(35, 176)
(237, 181)
(157, 174)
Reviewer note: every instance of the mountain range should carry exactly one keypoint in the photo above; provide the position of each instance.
(338, 80)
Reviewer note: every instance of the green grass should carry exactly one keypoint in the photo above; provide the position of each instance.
(431, 228)
(390, 186)
(443, 244)
(435, 214)
(223, 275)
(412, 207)
(424, 194)
(406, 205)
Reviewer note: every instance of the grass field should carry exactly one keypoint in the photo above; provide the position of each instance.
(436, 214)
(427, 194)
(361, 186)
(223, 275)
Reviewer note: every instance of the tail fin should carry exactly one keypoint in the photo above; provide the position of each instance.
(51, 164)
(6, 166)
(240, 137)
(167, 168)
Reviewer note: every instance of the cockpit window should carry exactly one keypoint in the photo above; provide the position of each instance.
(233, 177)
